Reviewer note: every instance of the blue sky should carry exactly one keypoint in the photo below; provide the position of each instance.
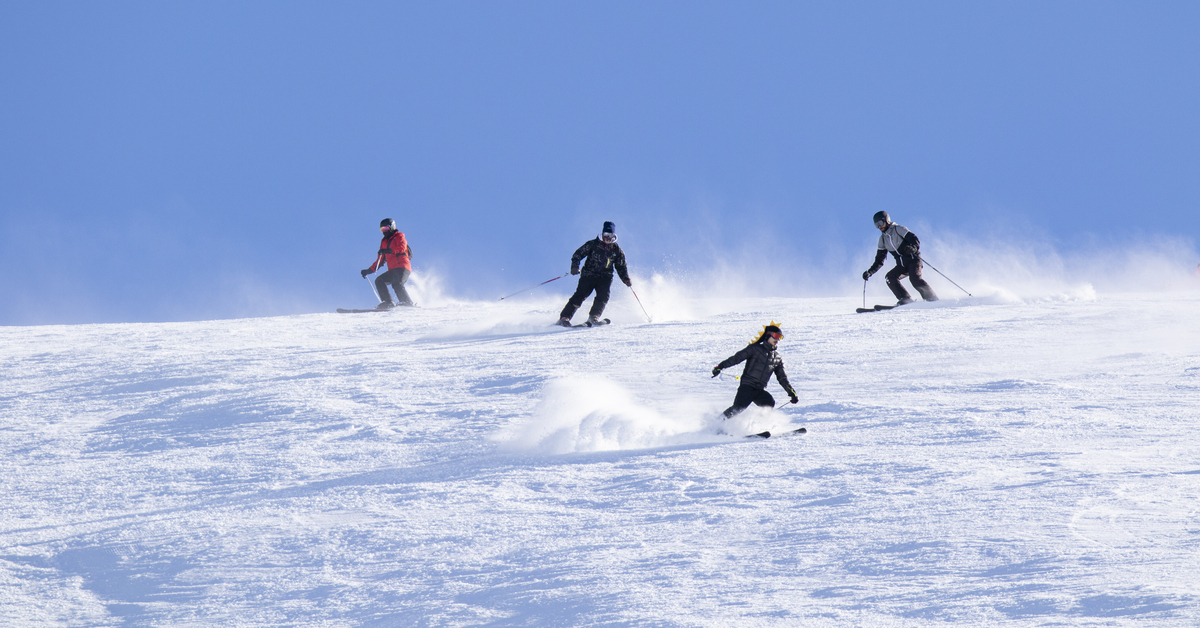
(188, 160)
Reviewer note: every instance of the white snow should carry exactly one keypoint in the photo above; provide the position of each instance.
(979, 461)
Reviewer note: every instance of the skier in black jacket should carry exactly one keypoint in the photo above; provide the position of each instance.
(761, 361)
(603, 256)
(906, 248)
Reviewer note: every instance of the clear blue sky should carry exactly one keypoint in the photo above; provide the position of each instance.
(185, 160)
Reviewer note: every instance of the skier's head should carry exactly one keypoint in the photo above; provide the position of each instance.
(771, 335)
(882, 220)
(609, 232)
(387, 225)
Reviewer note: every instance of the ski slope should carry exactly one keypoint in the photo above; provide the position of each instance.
(984, 461)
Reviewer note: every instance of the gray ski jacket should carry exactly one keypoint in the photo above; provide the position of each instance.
(900, 242)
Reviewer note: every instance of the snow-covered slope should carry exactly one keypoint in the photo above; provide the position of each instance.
(974, 462)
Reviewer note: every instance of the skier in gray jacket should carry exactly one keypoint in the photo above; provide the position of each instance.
(761, 362)
(906, 248)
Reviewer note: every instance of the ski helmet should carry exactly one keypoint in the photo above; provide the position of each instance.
(881, 217)
(389, 223)
(768, 330)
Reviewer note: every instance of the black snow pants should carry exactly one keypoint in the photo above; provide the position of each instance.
(909, 267)
(747, 395)
(602, 284)
(394, 277)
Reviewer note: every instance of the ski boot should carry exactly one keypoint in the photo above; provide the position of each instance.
(385, 305)
(564, 322)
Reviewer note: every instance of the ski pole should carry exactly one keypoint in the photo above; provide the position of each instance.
(378, 262)
(640, 304)
(864, 294)
(534, 286)
(943, 275)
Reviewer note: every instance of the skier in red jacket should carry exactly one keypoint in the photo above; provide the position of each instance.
(395, 252)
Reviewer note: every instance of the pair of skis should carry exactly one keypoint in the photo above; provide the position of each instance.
(768, 434)
(877, 308)
(603, 321)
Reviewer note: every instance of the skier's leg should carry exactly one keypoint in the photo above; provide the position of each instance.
(603, 289)
(764, 399)
(397, 278)
(381, 284)
(582, 290)
(893, 281)
(742, 400)
(918, 282)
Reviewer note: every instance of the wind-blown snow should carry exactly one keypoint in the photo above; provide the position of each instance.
(983, 461)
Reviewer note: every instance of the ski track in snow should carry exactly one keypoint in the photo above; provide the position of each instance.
(968, 462)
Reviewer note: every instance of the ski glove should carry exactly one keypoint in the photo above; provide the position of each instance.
(908, 250)
(383, 252)
(628, 282)
(574, 271)
(716, 371)
(365, 272)
(867, 274)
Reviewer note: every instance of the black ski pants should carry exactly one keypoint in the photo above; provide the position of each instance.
(909, 267)
(394, 277)
(747, 395)
(602, 284)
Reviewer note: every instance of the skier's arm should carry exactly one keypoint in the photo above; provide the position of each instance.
(580, 253)
(734, 359)
(376, 264)
(879, 255)
(909, 245)
(781, 375)
(622, 271)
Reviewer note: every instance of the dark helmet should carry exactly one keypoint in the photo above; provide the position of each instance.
(881, 217)
(769, 330)
(389, 223)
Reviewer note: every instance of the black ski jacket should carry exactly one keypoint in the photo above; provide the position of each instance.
(602, 258)
(761, 362)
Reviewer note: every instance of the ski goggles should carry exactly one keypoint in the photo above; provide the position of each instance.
(608, 237)
(776, 335)
(880, 224)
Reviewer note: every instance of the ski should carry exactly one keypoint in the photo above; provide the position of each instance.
(877, 308)
(759, 435)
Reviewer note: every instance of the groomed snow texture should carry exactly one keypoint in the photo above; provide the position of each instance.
(977, 462)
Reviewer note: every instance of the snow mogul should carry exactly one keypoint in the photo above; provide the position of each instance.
(762, 360)
(395, 252)
(906, 248)
(603, 256)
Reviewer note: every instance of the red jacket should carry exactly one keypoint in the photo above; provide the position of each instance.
(396, 252)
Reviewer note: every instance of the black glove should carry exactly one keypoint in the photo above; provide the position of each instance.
(716, 371)
(574, 271)
(867, 274)
(908, 250)
(365, 272)
(628, 282)
(384, 252)
(795, 399)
